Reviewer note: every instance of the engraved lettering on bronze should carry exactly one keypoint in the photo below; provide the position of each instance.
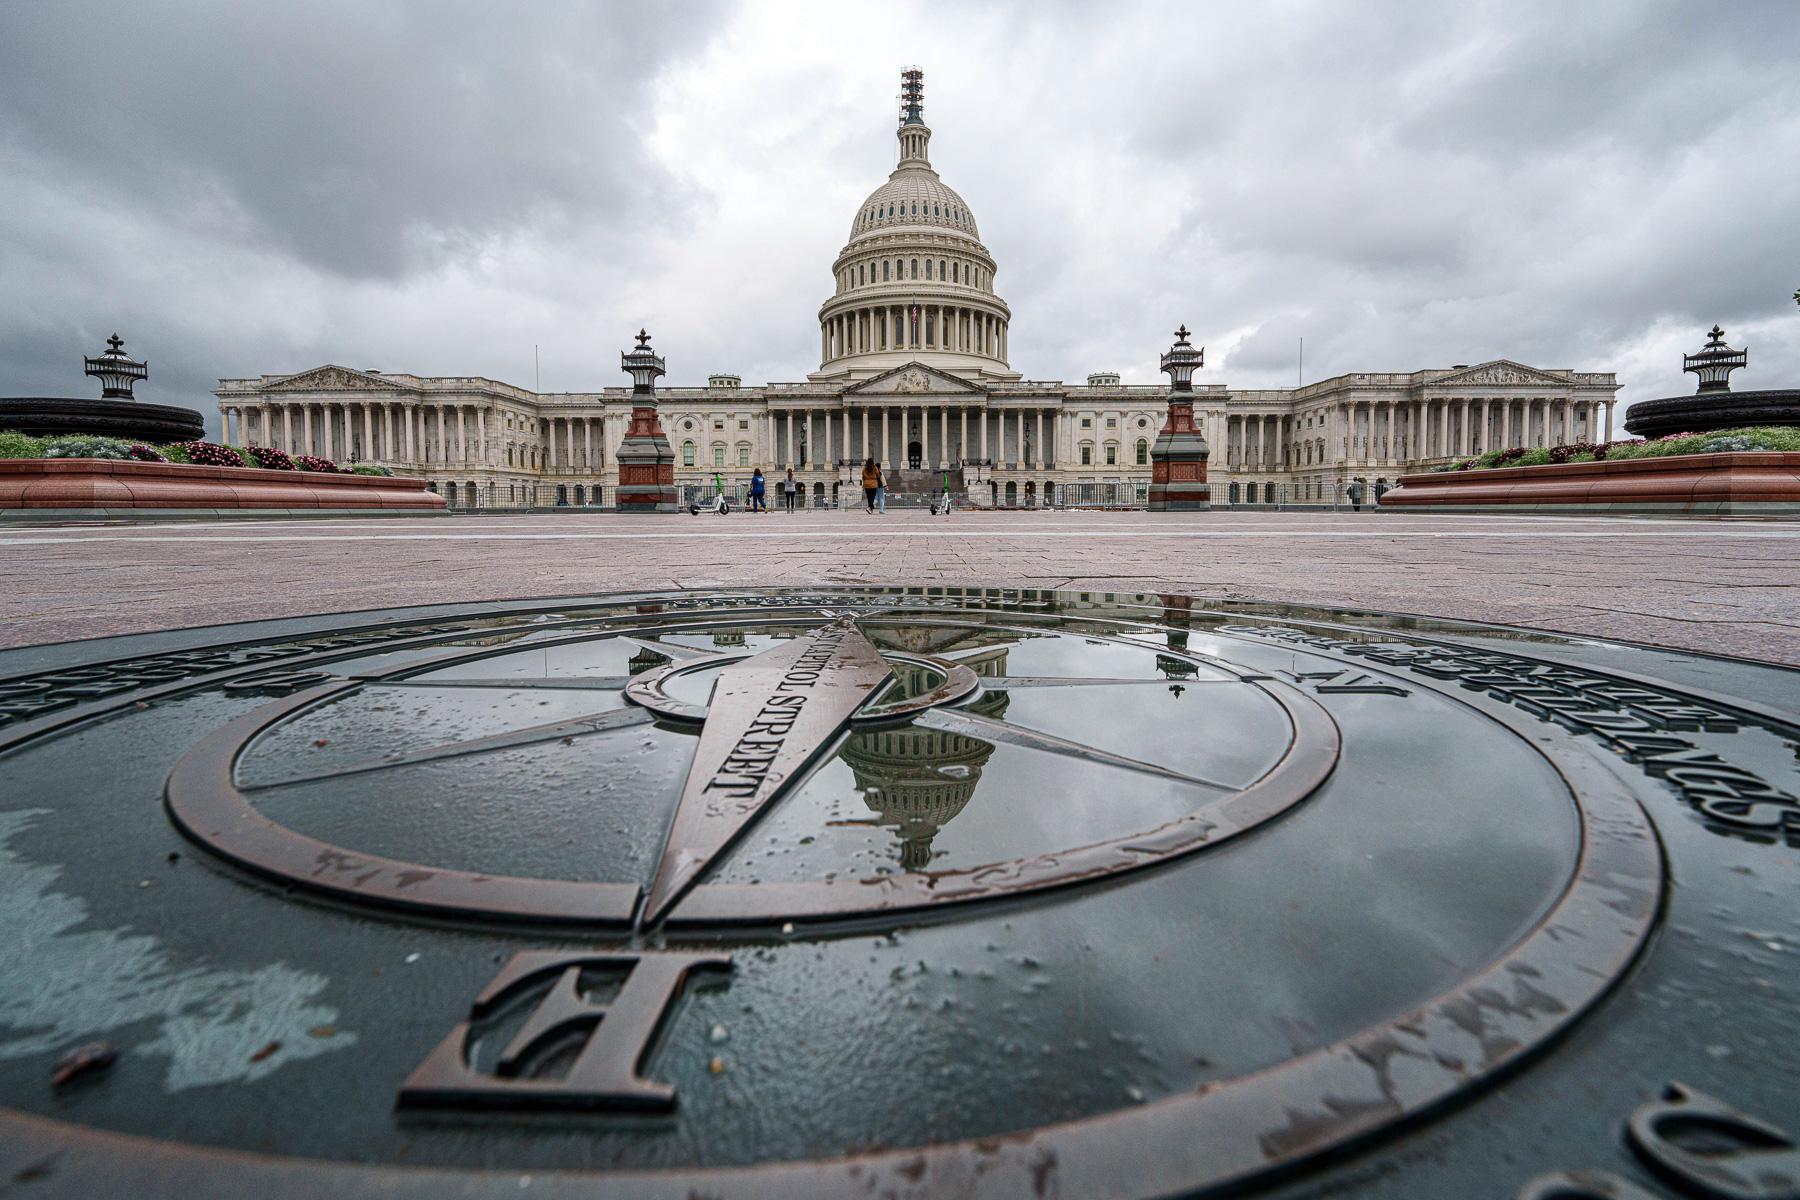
(770, 715)
(1707, 1146)
(1640, 722)
(612, 1040)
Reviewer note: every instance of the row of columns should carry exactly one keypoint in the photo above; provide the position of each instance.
(1411, 430)
(423, 434)
(903, 327)
(824, 437)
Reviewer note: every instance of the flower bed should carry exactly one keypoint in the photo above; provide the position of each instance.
(95, 473)
(1724, 483)
(1784, 438)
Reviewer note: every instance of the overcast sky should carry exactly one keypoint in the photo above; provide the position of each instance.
(438, 187)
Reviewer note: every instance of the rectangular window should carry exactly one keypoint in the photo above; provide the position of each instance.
(718, 456)
(743, 456)
(1087, 455)
(1112, 455)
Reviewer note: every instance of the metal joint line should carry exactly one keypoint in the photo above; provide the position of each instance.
(622, 718)
(970, 725)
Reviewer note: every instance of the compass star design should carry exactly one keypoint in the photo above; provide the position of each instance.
(770, 721)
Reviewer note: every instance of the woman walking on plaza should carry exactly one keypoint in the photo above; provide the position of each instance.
(871, 479)
(756, 492)
(880, 491)
(788, 488)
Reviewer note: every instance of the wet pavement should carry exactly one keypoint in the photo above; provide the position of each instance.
(1716, 586)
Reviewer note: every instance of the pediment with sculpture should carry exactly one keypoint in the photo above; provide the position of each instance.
(332, 378)
(1501, 371)
(914, 379)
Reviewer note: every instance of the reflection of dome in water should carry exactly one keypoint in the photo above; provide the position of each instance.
(917, 780)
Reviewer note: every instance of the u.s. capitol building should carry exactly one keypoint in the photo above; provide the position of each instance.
(914, 371)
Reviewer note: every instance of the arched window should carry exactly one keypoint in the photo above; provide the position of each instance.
(955, 272)
(940, 268)
(928, 268)
(859, 273)
(687, 454)
(915, 268)
(884, 270)
(1143, 452)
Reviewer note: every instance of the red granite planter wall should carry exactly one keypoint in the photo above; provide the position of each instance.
(1753, 483)
(105, 484)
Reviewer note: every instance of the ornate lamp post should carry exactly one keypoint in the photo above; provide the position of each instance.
(646, 460)
(115, 372)
(1715, 363)
(1178, 457)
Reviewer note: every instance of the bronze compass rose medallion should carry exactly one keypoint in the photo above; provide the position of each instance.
(878, 891)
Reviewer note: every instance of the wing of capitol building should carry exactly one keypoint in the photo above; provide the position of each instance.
(914, 372)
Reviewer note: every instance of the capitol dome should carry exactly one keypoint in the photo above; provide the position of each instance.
(914, 281)
(913, 197)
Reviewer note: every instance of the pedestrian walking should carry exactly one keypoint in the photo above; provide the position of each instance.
(1355, 492)
(880, 491)
(757, 485)
(789, 489)
(1381, 489)
(871, 479)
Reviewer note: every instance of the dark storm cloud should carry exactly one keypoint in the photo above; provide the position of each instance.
(368, 139)
(441, 188)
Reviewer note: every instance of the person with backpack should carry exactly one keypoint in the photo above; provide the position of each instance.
(756, 492)
(789, 489)
(871, 479)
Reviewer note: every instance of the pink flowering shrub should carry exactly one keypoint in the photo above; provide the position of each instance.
(311, 462)
(211, 454)
(143, 453)
(271, 459)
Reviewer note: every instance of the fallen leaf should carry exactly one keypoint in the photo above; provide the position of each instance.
(322, 1031)
(95, 1056)
(267, 1050)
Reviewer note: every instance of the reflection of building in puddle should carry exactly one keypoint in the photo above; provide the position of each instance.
(728, 639)
(917, 780)
(957, 642)
(647, 659)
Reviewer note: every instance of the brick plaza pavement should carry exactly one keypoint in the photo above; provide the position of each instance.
(1725, 587)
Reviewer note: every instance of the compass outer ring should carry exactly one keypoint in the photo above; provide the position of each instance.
(205, 803)
(1211, 1140)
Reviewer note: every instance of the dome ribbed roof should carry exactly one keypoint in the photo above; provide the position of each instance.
(913, 195)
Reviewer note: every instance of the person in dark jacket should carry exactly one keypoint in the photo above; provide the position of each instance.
(756, 492)
(1355, 492)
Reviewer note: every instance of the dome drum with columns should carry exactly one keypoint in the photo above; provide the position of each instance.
(914, 370)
